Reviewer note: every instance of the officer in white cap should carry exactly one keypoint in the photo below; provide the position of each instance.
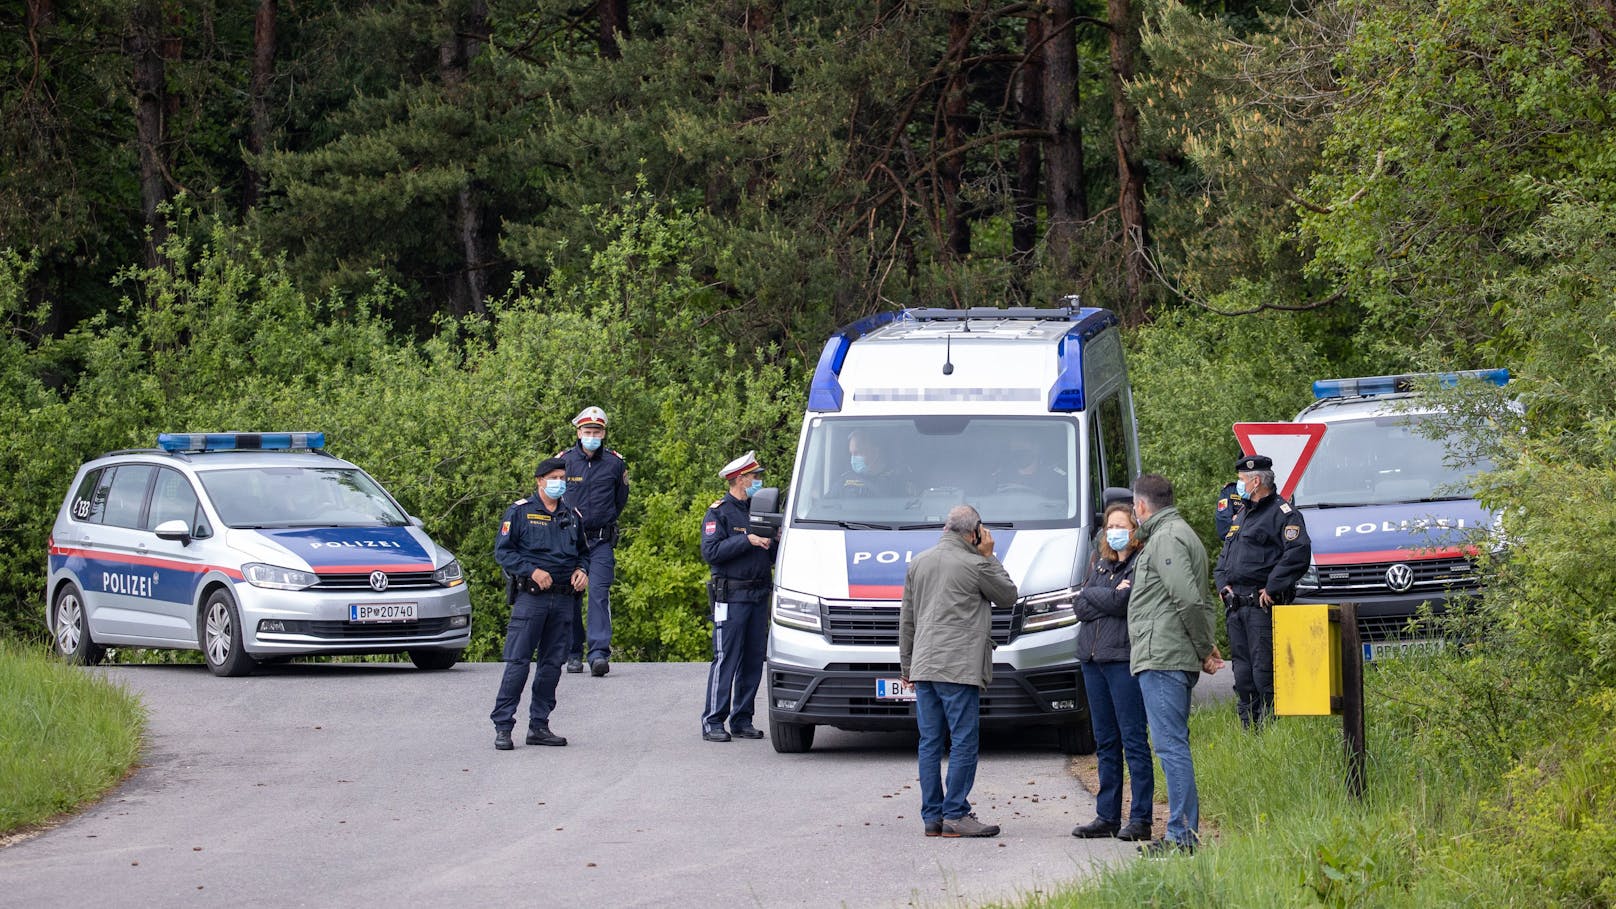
(597, 480)
(743, 566)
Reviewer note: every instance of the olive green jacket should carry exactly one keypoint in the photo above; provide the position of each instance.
(1170, 617)
(945, 629)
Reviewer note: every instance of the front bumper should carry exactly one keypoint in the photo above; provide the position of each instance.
(316, 622)
(1389, 615)
(843, 695)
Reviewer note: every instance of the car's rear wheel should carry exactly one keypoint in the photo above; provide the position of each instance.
(434, 659)
(790, 738)
(70, 629)
(220, 636)
(1076, 738)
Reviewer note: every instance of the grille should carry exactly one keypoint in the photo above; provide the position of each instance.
(1429, 574)
(396, 580)
(423, 628)
(877, 625)
(854, 696)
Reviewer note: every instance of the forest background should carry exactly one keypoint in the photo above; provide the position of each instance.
(436, 229)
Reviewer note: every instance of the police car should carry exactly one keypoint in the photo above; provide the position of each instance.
(249, 547)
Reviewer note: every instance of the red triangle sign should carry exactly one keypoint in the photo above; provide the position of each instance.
(1290, 445)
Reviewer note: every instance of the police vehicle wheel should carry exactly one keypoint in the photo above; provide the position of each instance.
(1076, 738)
(434, 660)
(220, 637)
(790, 738)
(70, 629)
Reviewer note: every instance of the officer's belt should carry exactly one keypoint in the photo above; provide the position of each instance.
(724, 588)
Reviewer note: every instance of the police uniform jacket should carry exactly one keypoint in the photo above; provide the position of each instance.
(597, 485)
(893, 481)
(724, 546)
(531, 536)
(1229, 505)
(945, 627)
(1267, 549)
(1103, 610)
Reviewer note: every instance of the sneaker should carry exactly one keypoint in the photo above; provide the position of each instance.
(575, 664)
(934, 828)
(968, 825)
(599, 667)
(1095, 830)
(1135, 832)
(502, 740)
(541, 735)
(1163, 848)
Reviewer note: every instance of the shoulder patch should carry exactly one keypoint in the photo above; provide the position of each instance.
(709, 528)
(1292, 532)
(1222, 504)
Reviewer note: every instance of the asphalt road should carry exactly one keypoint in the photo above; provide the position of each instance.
(325, 785)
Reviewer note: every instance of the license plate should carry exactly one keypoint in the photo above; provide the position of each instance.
(894, 690)
(381, 612)
(1391, 650)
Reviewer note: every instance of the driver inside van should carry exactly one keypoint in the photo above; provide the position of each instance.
(870, 471)
(1024, 468)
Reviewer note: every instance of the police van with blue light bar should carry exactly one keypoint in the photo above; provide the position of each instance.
(250, 547)
(1393, 520)
(1025, 414)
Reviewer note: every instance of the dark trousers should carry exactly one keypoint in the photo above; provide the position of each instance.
(601, 566)
(1117, 712)
(539, 623)
(739, 644)
(1251, 648)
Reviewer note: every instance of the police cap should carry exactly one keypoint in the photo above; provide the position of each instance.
(1248, 463)
(549, 464)
(590, 416)
(746, 463)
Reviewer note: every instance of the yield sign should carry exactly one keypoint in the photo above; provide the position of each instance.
(1290, 445)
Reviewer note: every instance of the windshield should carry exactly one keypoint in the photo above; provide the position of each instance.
(261, 497)
(1382, 461)
(907, 472)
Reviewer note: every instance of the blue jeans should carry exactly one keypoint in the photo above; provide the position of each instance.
(1251, 651)
(539, 623)
(601, 566)
(945, 707)
(1117, 712)
(739, 644)
(1167, 707)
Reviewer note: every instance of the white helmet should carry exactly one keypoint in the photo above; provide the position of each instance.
(590, 416)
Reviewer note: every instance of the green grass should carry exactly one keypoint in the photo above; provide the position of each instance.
(66, 735)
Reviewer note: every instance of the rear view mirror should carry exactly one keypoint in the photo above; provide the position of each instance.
(765, 513)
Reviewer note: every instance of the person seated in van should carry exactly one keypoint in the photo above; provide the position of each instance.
(1025, 469)
(870, 472)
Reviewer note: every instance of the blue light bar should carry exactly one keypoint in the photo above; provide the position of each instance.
(239, 441)
(1366, 386)
(1066, 394)
(825, 391)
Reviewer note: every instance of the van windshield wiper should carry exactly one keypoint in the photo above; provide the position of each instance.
(938, 525)
(845, 525)
(1333, 505)
(1445, 499)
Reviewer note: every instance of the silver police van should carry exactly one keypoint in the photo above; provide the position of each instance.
(250, 547)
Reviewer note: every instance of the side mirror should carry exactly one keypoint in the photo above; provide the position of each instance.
(417, 521)
(173, 530)
(765, 513)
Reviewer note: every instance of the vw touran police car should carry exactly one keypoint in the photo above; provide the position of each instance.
(248, 547)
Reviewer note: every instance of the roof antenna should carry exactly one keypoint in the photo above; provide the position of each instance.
(948, 355)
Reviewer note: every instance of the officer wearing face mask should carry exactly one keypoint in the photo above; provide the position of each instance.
(598, 479)
(540, 546)
(868, 471)
(743, 568)
(1231, 498)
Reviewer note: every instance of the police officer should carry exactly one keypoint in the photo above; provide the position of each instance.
(1264, 554)
(742, 564)
(541, 547)
(1231, 498)
(597, 478)
(869, 472)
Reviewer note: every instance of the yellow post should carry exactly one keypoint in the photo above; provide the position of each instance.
(1307, 661)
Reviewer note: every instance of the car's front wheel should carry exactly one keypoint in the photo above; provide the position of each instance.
(220, 636)
(434, 659)
(70, 629)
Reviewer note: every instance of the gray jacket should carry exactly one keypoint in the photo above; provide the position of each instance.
(1170, 618)
(945, 630)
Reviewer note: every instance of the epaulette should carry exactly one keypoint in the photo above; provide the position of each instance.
(619, 455)
(518, 502)
(1285, 507)
(716, 504)
(562, 453)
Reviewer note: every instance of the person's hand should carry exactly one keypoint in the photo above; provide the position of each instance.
(1264, 600)
(580, 580)
(1125, 584)
(759, 542)
(1213, 661)
(984, 543)
(542, 578)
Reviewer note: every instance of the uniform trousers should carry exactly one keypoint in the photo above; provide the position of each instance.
(1251, 650)
(601, 566)
(540, 623)
(740, 641)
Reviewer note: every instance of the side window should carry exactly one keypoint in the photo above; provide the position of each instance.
(172, 499)
(90, 499)
(1113, 441)
(127, 496)
(1096, 469)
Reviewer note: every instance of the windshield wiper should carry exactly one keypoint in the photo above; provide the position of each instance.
(1444, 499)
(1334, 505)
(845, 525)
(938, 525)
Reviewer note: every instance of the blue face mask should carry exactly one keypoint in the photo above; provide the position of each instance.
(1240, 488)
(1118, 538)
(753, 489)
(857, 463)
(555, 489)
(590, 443)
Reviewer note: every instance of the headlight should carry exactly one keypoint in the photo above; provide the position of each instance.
(275, 577)
(1049, 610)
(1309, 579)
(449, 575)
(796, 611)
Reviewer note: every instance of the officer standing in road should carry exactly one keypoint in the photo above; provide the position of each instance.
(541, 548)
(743, 565)
(1231, 498)
(1265, 553)
(598, 479)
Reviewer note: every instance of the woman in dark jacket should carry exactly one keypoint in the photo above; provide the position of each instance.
(1116, 708)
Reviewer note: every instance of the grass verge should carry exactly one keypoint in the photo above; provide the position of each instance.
(66, 736)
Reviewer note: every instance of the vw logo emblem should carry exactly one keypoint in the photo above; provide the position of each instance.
(1399, 577)
(378, 580)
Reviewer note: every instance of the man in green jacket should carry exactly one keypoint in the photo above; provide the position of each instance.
(1170, 635)
(945, 649)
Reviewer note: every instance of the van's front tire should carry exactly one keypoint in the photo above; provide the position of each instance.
(790, 738)
(219, 633)
(1076, 738)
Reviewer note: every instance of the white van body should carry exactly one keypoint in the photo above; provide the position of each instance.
(1025, 414)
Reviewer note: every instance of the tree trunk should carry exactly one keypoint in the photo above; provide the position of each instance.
(1124, 41)
(144, 46)
(263, 70)
(1029, 154)
(1068, 205)
(613, 16)
(470, 32)
(950, 171)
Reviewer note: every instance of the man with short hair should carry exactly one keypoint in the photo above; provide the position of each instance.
(743, 577)
(1170, 636)
(870, 471)
(1265, 552)
(540, 546)
(945, 649)
(598, 479)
